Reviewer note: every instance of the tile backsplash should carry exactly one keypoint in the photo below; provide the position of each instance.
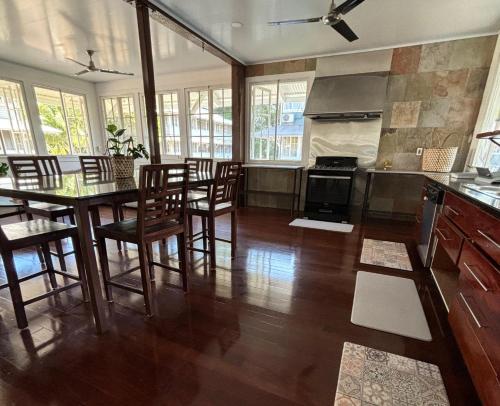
(434, 91)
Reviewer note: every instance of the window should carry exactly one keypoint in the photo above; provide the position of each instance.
(120, 111)
(64, 122)
(488, 153)
(15, 133)
(170, 133)
(210, 123)
(276, 120)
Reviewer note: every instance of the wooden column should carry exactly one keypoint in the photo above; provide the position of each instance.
(238, 110)
(148, 80)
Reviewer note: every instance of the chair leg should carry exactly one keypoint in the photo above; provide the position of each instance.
(79, 266)
(204, 232)
(40, 256)
(116, 218)
(15, 289)
(50, 265)
(190, 229)
(211, 241)
(182, 250)
(149, 253)
(146, 281)
(103, 260)
(60, 255)
(233, 233)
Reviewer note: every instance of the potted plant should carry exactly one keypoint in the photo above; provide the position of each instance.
(4, 168)
(440, 158)
(123, 152)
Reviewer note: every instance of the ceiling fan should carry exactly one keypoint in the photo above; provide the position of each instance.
(332, 19)
(92, 68)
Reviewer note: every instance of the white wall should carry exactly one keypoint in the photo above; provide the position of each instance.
(30, 77)
(179, 82)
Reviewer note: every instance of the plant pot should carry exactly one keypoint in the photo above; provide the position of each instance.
(123, 167)
(439, 159)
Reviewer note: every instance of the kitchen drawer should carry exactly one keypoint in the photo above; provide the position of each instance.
(479, 270)
(449, 237)
(476, 224)
(480, 368)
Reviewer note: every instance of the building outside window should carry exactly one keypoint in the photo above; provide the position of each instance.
(121, 112)
(64, 122)
(210, 123)
(15, 133)
(276, 120)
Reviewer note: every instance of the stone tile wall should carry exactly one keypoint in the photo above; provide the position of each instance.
(434, 90)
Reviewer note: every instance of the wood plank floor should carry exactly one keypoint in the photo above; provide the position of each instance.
(265, 329)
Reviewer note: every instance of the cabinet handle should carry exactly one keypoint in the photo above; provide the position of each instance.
(456, 213)
(489, 238)
(470, 311)
(442, 235)
(476, 277)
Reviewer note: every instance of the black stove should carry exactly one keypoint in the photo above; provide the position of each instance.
(329, 188)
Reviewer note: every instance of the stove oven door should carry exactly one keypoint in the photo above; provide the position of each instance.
(326, 189)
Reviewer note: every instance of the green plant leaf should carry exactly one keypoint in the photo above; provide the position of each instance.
(111, 128)
(120, 132)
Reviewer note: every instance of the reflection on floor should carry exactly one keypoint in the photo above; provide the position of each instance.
(267, 328)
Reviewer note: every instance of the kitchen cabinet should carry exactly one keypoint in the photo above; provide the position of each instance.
(467, 272)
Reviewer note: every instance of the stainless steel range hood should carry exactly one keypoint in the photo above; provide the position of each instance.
(347, 97)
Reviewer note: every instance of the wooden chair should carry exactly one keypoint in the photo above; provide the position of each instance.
(12, 207)
(222, 199)
(31, 233)
(160, 214)
(98, 165)
(33, 168)
(199, 165)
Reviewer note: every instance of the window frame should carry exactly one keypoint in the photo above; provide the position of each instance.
(102, 110)
(211, 129)
(160, 113)
(26, 112)
(87, 118)
(268, 79)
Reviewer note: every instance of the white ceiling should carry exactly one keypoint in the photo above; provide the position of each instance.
(41, 33)
(378, 23)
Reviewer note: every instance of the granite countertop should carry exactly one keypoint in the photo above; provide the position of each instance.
(463, 188)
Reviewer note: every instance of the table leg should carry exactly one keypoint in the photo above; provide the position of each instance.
(366, 199)
(90, 264)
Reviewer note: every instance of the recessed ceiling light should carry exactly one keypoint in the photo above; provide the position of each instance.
(236, 24)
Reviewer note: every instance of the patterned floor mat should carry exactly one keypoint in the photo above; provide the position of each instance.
(385, 253)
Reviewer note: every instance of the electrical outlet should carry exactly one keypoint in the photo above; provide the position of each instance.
(420, 151)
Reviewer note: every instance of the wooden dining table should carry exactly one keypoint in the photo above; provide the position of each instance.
(83, 192)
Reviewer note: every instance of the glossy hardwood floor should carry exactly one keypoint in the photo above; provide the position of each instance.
(264, 329)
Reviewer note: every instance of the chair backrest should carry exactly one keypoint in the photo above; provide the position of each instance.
(28, 166)
(95, 163)
(162, 195)
(199, 164)
(226, 183)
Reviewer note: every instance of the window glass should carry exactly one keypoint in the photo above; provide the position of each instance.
(15, 133)
(170, 134)
(64, 122)
(210, 124)
(277, 122)
(120, 111)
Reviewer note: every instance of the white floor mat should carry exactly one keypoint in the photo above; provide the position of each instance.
(385, 253)
(390, 304)
(322, 225)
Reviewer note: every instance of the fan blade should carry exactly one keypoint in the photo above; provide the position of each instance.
(301, 21)
(116, 72)
(343, 29)
(347, 6)
(83, 72)
(75, 61)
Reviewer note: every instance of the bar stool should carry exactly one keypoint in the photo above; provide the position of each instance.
(222, 199)
(27, 234)
(25, 167)
(160, 214)
(98, 165)
(199, 165)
